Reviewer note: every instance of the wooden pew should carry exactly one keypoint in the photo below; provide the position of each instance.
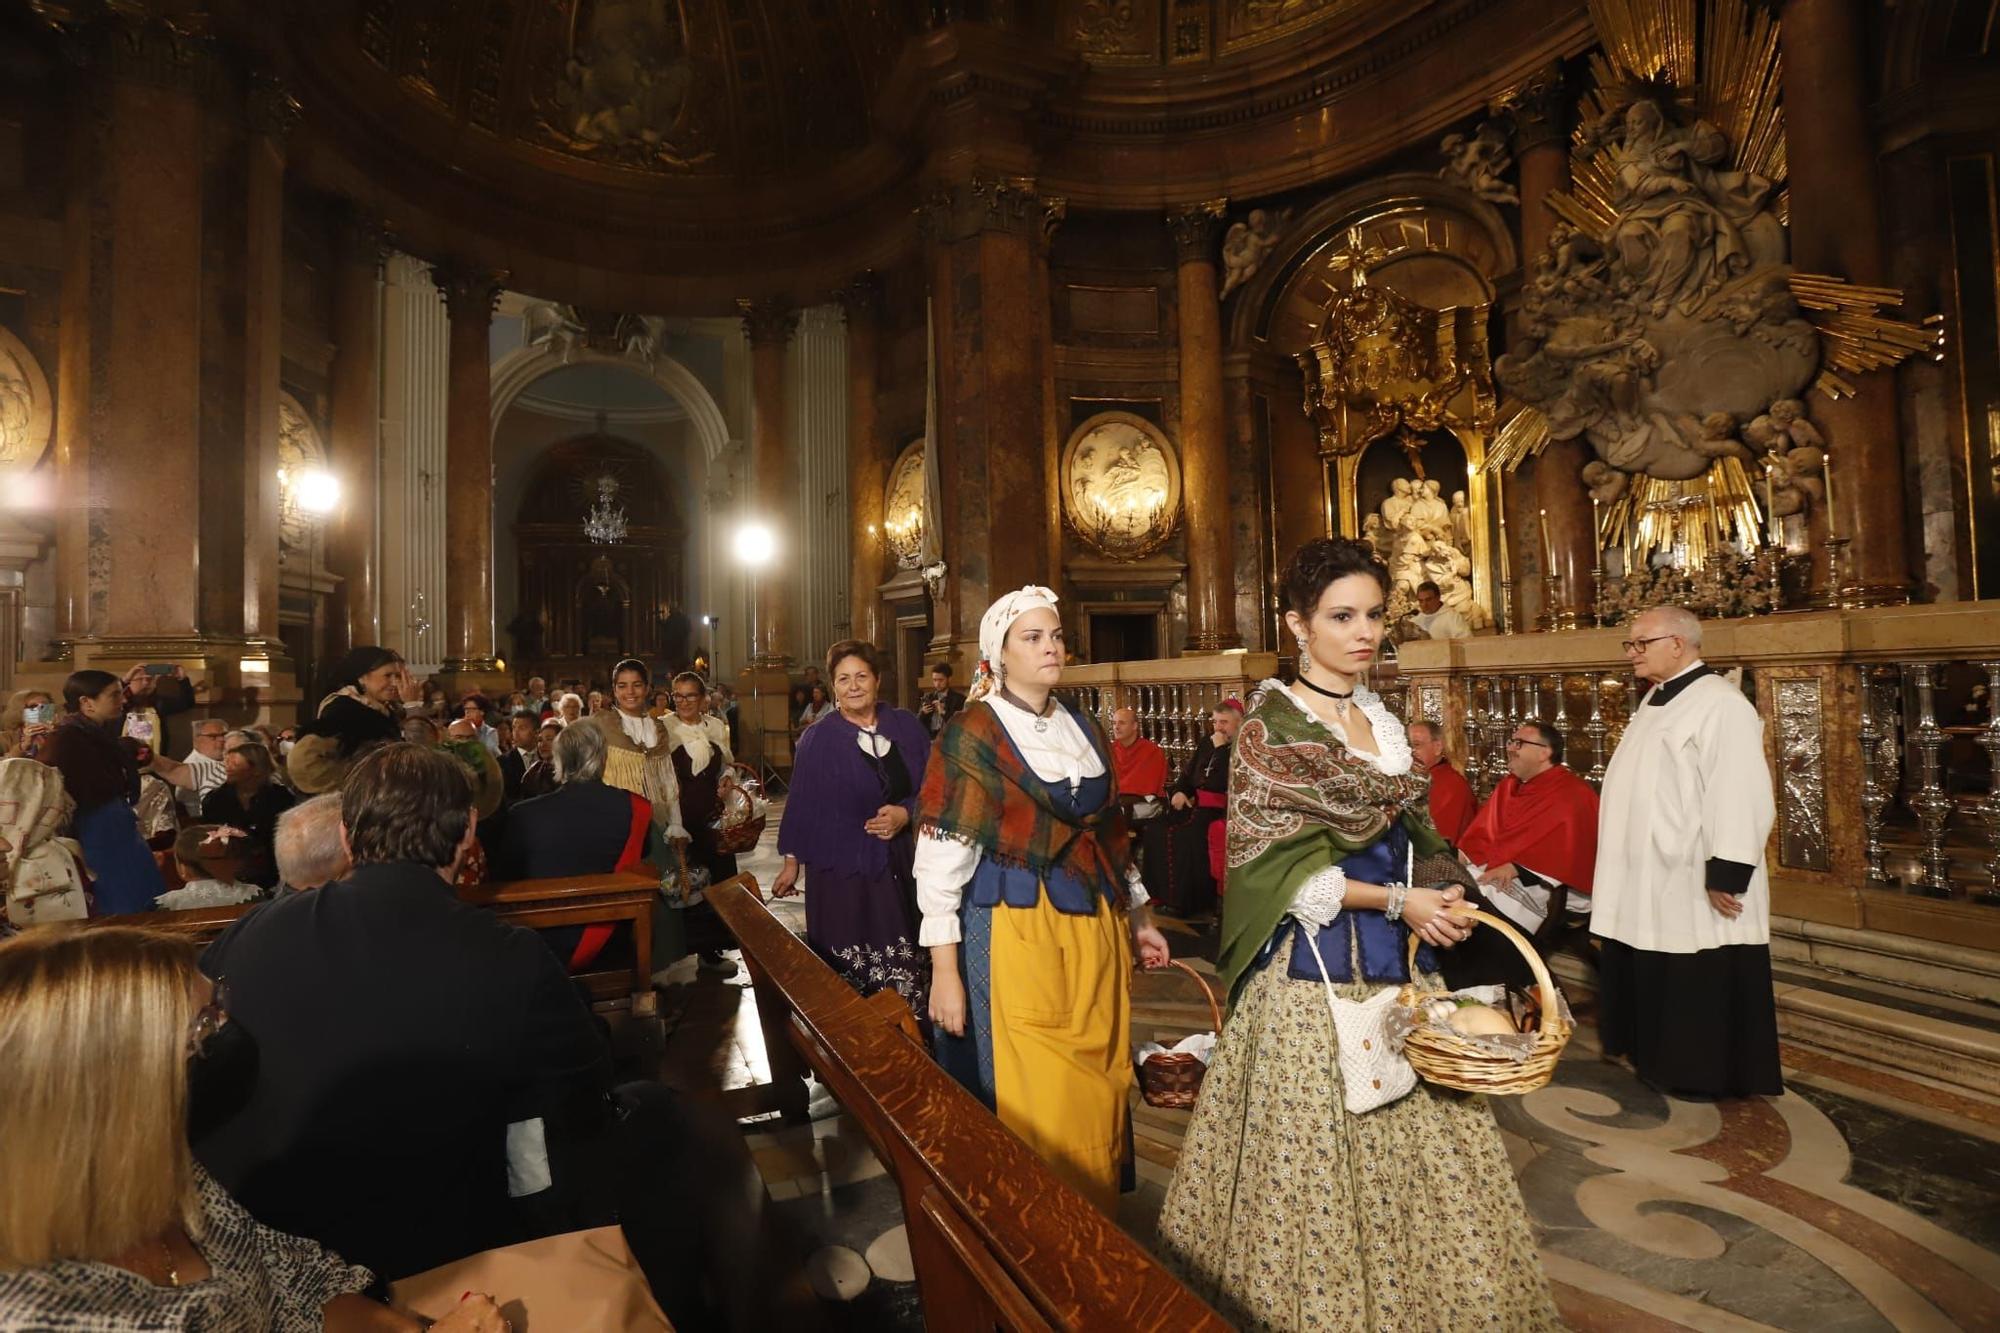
(998, 1240)
(585, 900)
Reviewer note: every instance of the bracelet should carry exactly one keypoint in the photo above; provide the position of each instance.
(1398, 895)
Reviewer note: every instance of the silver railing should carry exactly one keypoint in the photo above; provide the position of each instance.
(1930, 747)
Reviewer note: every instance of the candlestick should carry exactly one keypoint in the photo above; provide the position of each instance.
(1771, 494)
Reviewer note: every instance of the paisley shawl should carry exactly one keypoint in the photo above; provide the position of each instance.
(1299, 801)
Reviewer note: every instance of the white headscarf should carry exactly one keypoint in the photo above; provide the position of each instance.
(999, 618)
(40, 874)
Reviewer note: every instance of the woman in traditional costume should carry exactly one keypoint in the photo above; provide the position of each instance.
(364, 710)
(850, 825)
(638, 752)
(1031, 904)
(701, 756)
(1288, 1210)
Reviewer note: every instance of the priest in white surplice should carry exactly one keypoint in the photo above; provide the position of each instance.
(1682, 903)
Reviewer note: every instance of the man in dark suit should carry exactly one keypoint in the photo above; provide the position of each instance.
(520, 750)
(940, 701)
(401, 1037)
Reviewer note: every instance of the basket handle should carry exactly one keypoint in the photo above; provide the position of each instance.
(1207, 991)
(729, 772)
(1465, 912)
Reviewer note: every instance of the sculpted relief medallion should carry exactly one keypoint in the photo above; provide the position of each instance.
(903, 507)
(299, 452)
(26, 411)
(625, 92)
(1677, 311)
(1121, 485)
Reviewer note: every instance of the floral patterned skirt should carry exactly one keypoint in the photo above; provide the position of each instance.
(1287, 1213)
(865, 930)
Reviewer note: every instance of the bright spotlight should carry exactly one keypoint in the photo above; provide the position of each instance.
(755, 545)
(318, 492)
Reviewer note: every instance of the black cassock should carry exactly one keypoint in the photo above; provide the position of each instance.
(1173, 847)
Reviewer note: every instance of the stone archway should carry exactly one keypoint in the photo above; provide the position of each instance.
(514, 372)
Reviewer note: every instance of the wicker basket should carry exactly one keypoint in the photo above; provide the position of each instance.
(1172, 1079)
(738, 826)
(1451, 1060)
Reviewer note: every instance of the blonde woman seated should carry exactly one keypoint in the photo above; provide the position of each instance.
(106, 1222)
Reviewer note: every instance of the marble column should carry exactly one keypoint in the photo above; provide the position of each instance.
(1836, 228)
(869, 458)
(1551, 485)
(356, 394)
(470, 296)
(1211, 572)
(990, 349)
(272, 113)
(769, 326)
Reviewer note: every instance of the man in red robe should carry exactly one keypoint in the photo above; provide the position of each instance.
(1536, 833)
(1140, 765)
(1452, 801)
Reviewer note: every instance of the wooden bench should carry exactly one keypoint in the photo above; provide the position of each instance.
(585, 900)
(998, 1240)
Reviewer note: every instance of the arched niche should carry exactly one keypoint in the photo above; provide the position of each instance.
(581, 605)
(1433, 244)
(1429, 240)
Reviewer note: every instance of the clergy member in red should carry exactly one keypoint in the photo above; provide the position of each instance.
(1452, 801)
(1140, 765)
(1536, 832)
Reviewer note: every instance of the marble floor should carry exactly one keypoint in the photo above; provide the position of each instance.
(1857, 1201)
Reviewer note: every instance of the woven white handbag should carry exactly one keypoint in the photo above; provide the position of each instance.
(1373, 1072)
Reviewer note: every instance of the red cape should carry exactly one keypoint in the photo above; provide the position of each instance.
(1548, 825)
(1141, 766)
(1452, 801)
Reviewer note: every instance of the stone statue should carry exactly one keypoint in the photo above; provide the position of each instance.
(1638, 338)
(1793, 452)
(1604, 482)
(1245, 245)
(1422, 540)
(1479, 162)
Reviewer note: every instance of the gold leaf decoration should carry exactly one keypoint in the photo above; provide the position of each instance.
(1525, 435)
(1855, 336)
(1693, 519)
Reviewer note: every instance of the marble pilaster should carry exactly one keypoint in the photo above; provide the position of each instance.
(769, 327)
(356, 393)
(1211, 576)
(470, 296)
(869, 458)
(1836, 228)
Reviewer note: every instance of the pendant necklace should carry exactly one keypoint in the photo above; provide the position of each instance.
(173, 1269)
(1341, 702)
(1041, 718)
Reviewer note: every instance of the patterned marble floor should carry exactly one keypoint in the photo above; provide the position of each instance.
(1855, 1202)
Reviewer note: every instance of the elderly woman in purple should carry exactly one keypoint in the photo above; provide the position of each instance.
(849, 823)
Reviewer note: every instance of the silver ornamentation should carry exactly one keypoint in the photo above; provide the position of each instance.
(1802, 833)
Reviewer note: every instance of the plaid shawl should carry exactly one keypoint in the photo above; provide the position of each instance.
(979, 789)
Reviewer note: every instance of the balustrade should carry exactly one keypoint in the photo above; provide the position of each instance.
(1173, 697)
(1930, 746)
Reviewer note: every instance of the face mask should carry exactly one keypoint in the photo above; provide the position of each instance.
(221, 1077)
(38, 714)
(285, 748)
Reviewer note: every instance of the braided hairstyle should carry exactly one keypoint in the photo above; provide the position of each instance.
(1324, 561)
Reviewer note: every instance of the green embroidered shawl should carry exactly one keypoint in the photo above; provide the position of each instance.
(1300, 801)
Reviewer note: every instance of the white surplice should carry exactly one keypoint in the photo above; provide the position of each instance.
(1689, 781)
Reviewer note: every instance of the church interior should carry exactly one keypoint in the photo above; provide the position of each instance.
(518, 337)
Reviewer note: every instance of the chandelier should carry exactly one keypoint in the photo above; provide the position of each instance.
(605, 524)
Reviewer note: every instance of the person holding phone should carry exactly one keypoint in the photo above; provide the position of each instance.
(104, 782)
(25, 724)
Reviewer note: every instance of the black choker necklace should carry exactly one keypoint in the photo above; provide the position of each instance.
(1331, 694)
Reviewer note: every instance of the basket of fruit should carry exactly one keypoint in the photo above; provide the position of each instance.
(1475, 1047)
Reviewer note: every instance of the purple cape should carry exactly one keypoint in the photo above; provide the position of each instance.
(835, 790)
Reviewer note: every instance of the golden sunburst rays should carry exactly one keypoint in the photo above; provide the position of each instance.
(1739, 92)
(1525, 435)
(1652, 40)
(1692, 519)
(1855, 336)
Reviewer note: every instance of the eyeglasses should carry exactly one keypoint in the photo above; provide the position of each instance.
(1516, 742)
(212, 1018)
(1639, 645)
(689, 698)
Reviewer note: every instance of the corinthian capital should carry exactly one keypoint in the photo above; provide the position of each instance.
(1196, 228)
(1539, 109)
(767, 322)
(469, 292)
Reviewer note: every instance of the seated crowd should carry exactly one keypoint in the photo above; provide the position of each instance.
(365, 1077)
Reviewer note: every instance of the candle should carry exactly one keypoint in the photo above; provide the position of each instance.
(1548, 547)
(1596, 529)
(1826, 470)
(1500, 503)
(1771, 494)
